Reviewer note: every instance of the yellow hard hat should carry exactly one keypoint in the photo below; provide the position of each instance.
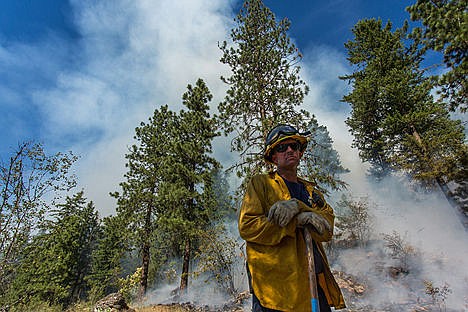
(280, 133)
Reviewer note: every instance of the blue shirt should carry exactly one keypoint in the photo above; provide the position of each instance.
(299, 191)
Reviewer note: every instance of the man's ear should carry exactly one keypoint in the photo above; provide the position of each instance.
(273, 158)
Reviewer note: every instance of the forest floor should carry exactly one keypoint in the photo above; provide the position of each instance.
(181, 308)
(240, 304)
(352, 290)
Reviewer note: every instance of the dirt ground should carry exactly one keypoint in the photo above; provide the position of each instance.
(162, 308)
(187, 308)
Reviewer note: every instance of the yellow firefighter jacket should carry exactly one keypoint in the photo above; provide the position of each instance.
(276, 256)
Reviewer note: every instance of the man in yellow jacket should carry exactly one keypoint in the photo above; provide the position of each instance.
(275, 208)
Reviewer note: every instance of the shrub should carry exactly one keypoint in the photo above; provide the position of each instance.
(437, 294)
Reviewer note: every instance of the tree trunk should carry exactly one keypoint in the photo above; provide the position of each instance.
(443, 186)
(144, 270)
(185, 268)
(145, 253)
(450, 198)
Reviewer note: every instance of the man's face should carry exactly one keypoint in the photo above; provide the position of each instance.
(290, 157)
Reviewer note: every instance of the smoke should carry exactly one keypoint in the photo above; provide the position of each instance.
(434, 242)
(130, 58)
(134, 56)
(424, 221)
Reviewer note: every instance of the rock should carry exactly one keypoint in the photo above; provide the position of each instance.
(349, 283)
(114, 302)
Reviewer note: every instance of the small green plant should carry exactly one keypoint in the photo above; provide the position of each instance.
(355, 219)
(400, 250)
(217, 257)
(170, 273)
(438, 294)
(129, 285)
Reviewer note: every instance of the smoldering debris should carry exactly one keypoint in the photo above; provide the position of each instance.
(234, 305)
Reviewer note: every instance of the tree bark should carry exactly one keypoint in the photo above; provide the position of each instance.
(145, 253)
(185, 268)
(450, 198)
(443, 185)
(144, 270)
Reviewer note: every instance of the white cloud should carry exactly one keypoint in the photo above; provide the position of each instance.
(131, 57)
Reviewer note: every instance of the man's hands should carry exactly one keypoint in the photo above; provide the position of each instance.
(283, 211)
(314, 219)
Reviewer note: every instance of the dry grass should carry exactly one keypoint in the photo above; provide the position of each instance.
(161, 309)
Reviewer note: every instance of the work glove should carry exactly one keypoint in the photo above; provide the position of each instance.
(311, 218)
(283, 211)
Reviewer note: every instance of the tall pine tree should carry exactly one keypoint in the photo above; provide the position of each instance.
(265, 88)
(58, 259)
(445, 29)
(168, 194)
(187, 188)
(137, 204)
(395, 121)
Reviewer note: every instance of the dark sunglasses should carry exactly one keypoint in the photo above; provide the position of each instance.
(284, 147)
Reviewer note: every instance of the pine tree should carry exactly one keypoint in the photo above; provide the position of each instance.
(168, 194)
(106, 267)
(58, 259)
(138, 203)
(264, 88)
(29, 182)
(187, 188)
(321, 162)
(445, 29)
(395, 121)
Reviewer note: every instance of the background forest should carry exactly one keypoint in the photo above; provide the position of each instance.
(401, 206)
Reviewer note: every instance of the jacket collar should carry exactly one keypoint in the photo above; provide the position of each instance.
(275, 176)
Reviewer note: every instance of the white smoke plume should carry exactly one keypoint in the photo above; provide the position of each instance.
(134, 56)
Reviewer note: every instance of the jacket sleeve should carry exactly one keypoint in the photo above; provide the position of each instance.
(253, 224)
(327, 212)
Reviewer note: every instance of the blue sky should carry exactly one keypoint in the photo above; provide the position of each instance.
(80, 75)
(31, 21)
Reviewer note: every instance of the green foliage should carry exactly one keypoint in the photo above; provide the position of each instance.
(217, 257)
(187, 190)
(445, 29)
(380, 81)
(187, 183)
(394, 120)
(264, 88)
(137, 205)
(168, 197)
(321, 163)
(354, 220)
(438, 294)
(35, 305)
(106, 265)
(29, 181)
(54, 264)
(129, 285)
